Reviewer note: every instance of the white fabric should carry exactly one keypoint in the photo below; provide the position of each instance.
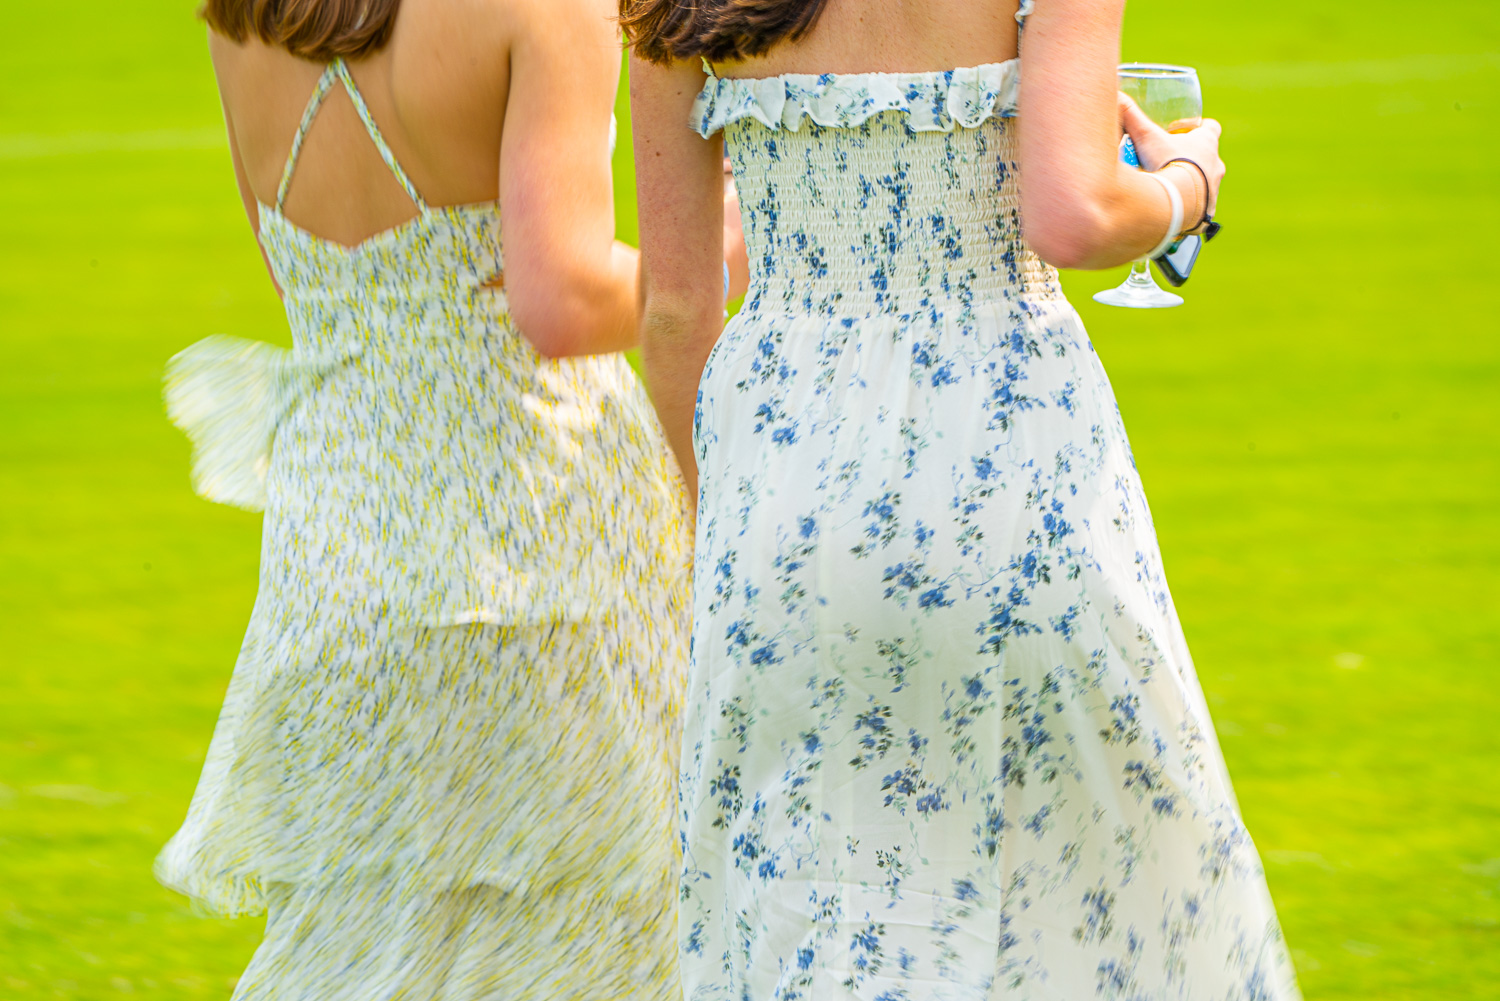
(930, 102)
(943, 741)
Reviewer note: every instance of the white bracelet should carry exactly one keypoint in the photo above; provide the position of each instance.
(1174, 229)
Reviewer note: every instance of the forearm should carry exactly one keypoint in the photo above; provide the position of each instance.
(1080, 206)
(586, 308)
(680, 194)
(1122, 222)
(674, 351)
(615, 328)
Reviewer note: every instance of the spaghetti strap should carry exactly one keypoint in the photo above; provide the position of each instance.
(309, 113)
(342, 70)
(337, 70)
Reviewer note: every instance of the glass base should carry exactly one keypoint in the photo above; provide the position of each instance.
(1139, 291)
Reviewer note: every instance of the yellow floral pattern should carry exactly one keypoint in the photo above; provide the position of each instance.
(455, 712)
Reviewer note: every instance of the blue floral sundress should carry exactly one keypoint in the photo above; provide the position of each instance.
(944, 739)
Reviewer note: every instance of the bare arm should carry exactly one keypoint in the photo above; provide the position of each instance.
(680, 186)
(571, 285)
(1080, 206)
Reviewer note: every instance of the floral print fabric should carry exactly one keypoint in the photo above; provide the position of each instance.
(933, 102)
(457, 701)
(944, 739)
(468, 942)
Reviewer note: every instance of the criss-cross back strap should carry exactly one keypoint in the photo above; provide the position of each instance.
(337, 70)
(313, 104)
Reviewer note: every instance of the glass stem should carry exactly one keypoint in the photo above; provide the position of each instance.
(1140, 273)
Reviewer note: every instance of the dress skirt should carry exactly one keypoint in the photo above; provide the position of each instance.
(944, 740)
(478, 942)
(446, 761)
(465, 812)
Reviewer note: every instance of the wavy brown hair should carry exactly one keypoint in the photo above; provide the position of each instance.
(320, 30)
(665, 31)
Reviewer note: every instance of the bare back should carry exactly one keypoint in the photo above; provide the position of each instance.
(893, 36)
(439, 91)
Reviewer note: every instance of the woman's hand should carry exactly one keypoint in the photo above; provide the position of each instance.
(1154, 145)
(1080, 206)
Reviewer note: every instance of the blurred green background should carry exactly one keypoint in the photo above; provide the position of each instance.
(1317, 430)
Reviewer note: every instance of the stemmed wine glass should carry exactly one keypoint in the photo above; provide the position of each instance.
(1170, 96)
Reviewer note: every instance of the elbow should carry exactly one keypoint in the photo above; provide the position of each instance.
(1067, 251)
(679, 325)
(552, 336)
(1074, 234)
(1078, 226)
(564, 324)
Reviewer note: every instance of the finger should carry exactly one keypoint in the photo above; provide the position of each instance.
(1212, 124)
(1137, 123)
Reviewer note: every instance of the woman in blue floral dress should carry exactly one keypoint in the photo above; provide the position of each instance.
(944, 739)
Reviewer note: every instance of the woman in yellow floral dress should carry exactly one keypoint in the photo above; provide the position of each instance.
(445, 765)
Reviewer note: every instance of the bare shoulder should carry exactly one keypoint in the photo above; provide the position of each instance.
(259, 82)
(566, 22)
(854, 36)
(477, 34)
(478, 40)
(232, 60)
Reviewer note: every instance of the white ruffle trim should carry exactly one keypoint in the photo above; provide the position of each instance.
(229, 395)
(933, 102)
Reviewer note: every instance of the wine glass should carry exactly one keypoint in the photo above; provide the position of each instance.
(1171, 97)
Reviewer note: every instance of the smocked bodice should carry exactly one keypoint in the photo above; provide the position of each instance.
(877, 193)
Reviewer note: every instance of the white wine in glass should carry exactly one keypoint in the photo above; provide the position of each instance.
(1170, 97)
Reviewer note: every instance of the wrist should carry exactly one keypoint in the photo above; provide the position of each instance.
(1192, 182)
(1176, 216)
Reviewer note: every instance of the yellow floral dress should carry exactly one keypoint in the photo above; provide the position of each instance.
(446, 761)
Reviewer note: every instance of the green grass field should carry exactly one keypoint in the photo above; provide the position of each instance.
(1317, 429)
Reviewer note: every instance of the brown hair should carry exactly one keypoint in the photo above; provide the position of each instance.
(320, 30)
(664, 31)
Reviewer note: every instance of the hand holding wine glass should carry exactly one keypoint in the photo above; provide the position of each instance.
(1155, 145)
(1161, 114)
